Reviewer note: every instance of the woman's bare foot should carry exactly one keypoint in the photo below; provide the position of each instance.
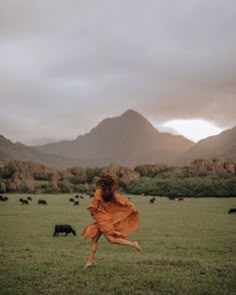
(88, 264)
(137, 246)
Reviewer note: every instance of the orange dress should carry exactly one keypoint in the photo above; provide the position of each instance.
(115, 218)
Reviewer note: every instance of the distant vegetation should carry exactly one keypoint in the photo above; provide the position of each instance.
(199, 179)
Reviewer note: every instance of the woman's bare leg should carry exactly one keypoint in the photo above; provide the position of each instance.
(93, 249)
(121, 241)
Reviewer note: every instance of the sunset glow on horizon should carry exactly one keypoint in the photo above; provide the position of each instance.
(193, 129)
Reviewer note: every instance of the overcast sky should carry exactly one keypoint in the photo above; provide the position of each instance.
(66, 65)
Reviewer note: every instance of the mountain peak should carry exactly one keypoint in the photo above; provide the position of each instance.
(131, 112)
(133, 115)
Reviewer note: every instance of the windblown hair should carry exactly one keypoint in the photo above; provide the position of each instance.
(108, 185)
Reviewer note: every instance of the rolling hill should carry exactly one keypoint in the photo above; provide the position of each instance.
(18, 151)
(221, 146)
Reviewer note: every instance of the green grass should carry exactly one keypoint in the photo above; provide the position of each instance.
(189, 248)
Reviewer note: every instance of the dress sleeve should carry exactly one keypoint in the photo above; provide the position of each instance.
(124, 201)
(121, 199)
(92, 207)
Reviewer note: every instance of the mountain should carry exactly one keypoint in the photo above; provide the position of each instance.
(18, 151)
(221, 146)
(128, 140)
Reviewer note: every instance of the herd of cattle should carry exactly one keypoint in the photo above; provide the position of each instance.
(40, 201)
(75, 201)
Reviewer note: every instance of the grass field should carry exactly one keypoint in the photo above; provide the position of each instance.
(189, 248)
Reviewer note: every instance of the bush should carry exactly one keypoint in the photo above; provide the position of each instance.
(188, 187)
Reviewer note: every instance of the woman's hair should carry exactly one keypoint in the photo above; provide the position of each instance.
(108, 185)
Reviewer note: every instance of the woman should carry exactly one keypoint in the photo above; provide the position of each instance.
(115, 217)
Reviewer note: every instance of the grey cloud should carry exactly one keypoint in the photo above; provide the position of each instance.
(68, 65)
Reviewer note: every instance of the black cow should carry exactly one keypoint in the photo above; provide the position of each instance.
(29, 199)
(76, 203)
(71, 200)
(81, 197)
(24, 202)
(152, 200)
(232, 210)
(3, 199)
(42, 202)
(77, 196)
(63, 228)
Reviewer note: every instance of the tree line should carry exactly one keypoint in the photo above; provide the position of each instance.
(201, 178)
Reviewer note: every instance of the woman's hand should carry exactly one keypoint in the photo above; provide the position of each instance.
(93, 214)
(132, 206)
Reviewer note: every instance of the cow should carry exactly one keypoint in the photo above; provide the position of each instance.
(76, 203)
(24, 202)
(232, 210)
(42, 202)
(171, 198)
(77, 196)
(180, 199)
(63, 228)
(71, 200)
(81, 197)
(29, 199)
(152, 200)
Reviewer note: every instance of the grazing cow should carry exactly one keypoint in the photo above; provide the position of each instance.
(71, 200)
(77, 196)
(232, 210)
(81, 197)
(76, 203)
(42, 202)
(91, 194)
(29, 199)
(63, 228)
(20, 200)
(3, 199)
(152, 200)
(24, 202)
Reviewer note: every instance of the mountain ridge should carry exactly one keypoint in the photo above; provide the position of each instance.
(17, 151)
(128, 139)
(222, 146)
